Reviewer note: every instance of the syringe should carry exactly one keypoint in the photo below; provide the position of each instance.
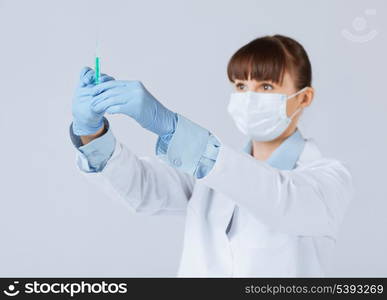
(97, 66)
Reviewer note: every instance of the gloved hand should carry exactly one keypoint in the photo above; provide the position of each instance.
(131, 98)
(85, 120)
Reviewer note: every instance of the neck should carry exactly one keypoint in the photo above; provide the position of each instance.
(263, 150)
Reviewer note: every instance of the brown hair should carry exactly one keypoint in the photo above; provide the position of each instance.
(268, 58)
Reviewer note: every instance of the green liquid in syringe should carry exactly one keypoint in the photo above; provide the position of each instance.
(97, 71)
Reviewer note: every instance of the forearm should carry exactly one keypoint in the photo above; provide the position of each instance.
(144, 184)
(88, 138)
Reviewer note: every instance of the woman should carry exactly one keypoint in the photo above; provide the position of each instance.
(273, 209)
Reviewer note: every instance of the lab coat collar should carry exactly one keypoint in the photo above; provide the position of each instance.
(287, 154)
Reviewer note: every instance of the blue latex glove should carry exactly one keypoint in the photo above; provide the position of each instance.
(131, 98)
(85, 120)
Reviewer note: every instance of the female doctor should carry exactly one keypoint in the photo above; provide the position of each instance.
(272, 209)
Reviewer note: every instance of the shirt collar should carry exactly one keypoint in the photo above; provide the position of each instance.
(287, 154)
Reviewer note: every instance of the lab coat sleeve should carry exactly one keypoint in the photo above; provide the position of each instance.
(309, 200)
(145, 185)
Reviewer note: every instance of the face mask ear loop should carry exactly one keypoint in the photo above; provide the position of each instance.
(299, 92)
(296, 112)
(295, 94)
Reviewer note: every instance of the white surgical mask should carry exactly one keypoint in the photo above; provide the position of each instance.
(261, 116)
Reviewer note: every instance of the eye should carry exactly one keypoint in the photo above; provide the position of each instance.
(267, 87)
(240, 86)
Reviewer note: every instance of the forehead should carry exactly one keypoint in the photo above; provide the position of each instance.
(287, 81)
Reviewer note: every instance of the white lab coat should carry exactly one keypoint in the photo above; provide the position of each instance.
(285, 223)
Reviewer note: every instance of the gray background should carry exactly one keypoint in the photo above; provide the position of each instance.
(52, 222)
